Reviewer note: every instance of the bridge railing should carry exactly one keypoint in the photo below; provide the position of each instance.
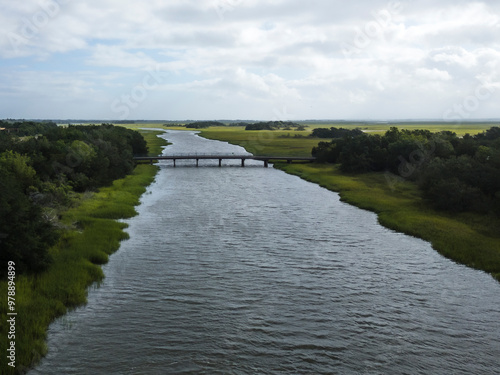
(265, 158)
(214, 154)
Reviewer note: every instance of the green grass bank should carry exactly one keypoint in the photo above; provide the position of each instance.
(469, 239)
(155, 143)
(92, 234)
(264, 142)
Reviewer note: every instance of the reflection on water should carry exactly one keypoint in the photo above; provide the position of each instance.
(251, 271)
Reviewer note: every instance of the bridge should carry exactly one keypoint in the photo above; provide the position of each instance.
(220, 157)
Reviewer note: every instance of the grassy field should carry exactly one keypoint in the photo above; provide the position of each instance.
(297, 143)
(370, 127)
(380, 128)
(93, 234)
(265, 142)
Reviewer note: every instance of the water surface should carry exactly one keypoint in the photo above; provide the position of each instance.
(252, 271)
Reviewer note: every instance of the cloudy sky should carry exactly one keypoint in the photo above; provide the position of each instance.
(250, 59)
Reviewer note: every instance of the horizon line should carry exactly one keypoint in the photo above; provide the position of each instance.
(397, 120)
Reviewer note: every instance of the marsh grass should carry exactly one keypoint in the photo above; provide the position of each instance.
(469, 239)
(155, 144)
(265, 142)
(298, 143)
(76, 258)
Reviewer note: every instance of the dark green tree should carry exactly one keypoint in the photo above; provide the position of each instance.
(24, 233)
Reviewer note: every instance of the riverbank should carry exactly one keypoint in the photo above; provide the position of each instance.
(276, 143)
(468, 238)
(91, 234)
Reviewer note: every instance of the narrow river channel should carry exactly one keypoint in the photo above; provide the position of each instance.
(252, 271)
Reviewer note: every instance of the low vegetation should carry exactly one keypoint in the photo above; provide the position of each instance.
(264, 142)
(155, 143)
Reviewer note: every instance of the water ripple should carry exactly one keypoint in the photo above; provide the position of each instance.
(251, 271)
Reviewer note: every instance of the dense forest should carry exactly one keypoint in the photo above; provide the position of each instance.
(42, 168)
(454, 174)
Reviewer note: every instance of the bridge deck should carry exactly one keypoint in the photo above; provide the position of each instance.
(220, 157)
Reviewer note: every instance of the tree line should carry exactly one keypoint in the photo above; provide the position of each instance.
(42, 167)
(274, 125)
(454, 173)
(203, 124)
(335, 132)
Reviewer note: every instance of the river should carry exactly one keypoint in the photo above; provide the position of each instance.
(252, 271)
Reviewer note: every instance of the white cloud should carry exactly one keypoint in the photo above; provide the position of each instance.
(358, 96)
(454, 55)
(255, 52)
(433, 74)
(114, 56)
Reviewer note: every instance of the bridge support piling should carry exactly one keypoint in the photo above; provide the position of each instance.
(242, 162)
(197, 160)
(220, 162)
(174, 163)
(266, 164)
